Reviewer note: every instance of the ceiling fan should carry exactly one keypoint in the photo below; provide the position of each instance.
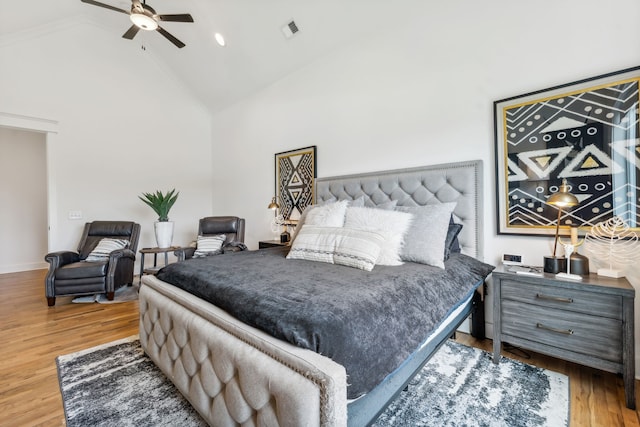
(144, 17)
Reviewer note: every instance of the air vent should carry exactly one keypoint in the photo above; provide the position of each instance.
(290, 29)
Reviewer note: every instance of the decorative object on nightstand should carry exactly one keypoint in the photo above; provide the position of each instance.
(614, 243)
(279, 221)
(161, 205)
(562, 199)
(590, 322)
(578, 264)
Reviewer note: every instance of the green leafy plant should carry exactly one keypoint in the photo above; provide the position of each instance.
(160, 203)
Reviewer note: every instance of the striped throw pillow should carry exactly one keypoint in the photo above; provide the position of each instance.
(104, 248)
(209, 245)
(337, 245)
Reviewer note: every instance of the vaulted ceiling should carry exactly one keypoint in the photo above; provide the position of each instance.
(256, 54)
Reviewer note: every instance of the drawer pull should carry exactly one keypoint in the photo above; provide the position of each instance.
(549, 328)
(552, 298)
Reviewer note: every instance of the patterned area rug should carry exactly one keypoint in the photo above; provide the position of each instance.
(116, 384)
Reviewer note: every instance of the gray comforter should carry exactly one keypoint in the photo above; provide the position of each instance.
(369, 322)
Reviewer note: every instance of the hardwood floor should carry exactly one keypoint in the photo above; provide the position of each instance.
(32, 335)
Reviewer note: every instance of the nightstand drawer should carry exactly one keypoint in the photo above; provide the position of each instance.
(569, 331)
(573, 300)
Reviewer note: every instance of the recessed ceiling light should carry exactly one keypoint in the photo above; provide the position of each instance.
(219, 39)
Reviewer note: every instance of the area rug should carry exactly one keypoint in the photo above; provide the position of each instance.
(122, 294)
(116, 384)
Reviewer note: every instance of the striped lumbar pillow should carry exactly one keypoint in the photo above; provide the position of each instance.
(104, 248)
(209, 245)
(337, 245)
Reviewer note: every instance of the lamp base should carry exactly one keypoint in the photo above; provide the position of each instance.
(555, 264)
(579, 264)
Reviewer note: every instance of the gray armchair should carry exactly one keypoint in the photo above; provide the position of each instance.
(70, 274)
(231, 226)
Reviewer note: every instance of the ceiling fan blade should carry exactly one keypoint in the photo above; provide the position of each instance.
(183, 17)
(106, 6)
(171, 38)
(131, 32)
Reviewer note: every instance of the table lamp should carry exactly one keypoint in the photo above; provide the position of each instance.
(285, 236)
(273, 205)
(562, 199)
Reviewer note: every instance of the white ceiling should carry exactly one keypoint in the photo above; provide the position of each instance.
(256, 55)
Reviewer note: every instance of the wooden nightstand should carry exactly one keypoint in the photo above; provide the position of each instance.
(590, 322)
(263, 244)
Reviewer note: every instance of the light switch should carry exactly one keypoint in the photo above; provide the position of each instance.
(75, 214)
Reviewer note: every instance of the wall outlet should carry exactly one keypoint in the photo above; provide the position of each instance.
(75, 214)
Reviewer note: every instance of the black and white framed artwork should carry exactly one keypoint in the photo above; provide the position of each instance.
(585, 132)
(295, 181)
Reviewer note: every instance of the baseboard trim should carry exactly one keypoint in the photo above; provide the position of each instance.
(17, 268)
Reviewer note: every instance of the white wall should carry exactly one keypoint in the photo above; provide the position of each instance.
(421, 94)
(23, 200)
(124, 126)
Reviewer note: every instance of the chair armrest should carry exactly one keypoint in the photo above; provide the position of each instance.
(234, 247)
(58, 259)
(121, 253)
(184, 253)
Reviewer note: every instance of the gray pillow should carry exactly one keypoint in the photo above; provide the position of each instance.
(425, 241)
(451, 244)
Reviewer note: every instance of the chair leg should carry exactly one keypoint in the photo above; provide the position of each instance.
(111, 295)
(51, 301)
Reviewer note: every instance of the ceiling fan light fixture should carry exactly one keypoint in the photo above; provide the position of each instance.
(143, 21)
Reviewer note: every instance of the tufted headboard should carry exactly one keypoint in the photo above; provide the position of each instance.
(451, 182)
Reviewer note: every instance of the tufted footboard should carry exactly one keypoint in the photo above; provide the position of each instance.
(233, 373)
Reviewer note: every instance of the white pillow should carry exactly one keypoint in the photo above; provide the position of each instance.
(329, 215)
(104, 248)
(425, 240)
(337, 245)
(209, 245)
(391, 224)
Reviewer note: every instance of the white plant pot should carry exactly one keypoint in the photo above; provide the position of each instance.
(164, 233)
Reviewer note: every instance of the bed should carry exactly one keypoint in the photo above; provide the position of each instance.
(235, 373)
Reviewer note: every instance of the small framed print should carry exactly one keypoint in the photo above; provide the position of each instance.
(295, 181)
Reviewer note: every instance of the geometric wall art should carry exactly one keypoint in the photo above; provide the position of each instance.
(295, 181)
(586, 132)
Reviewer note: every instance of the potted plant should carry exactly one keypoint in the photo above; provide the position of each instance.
(161, 205)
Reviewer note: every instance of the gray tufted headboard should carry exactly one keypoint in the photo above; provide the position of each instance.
(459, 182)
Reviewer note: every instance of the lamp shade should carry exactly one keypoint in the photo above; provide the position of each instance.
(563, 199)
(273, 205)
